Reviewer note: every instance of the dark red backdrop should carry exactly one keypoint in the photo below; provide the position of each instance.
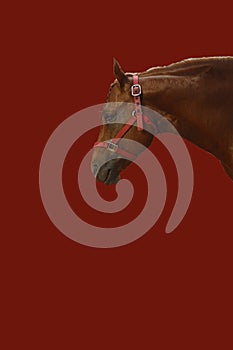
(164, 291)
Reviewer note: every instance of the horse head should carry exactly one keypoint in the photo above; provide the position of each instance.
(119, 126)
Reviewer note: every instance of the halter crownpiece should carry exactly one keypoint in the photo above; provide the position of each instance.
(136, 91)
(137, 116)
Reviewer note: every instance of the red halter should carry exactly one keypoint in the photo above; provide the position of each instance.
(137, 116)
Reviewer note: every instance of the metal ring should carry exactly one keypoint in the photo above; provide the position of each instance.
(134, 113)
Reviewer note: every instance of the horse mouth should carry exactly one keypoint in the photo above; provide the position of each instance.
(108, 176)
(111, 178)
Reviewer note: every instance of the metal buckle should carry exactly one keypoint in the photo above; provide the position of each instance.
(112, 147)
(136, 86)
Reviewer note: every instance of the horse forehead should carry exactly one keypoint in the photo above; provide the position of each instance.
(116, 94)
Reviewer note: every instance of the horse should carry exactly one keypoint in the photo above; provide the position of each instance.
(195, 95)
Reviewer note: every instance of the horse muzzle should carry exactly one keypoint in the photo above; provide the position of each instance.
(108, 173)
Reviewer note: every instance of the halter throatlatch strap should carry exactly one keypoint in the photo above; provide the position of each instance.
(137, 116)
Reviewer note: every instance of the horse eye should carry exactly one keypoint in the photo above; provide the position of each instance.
(109, 117)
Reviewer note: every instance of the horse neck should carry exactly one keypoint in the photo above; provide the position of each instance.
(179, 100)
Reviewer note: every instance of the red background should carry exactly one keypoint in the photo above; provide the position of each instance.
(162, 290)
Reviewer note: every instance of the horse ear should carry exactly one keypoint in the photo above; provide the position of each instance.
(120, 75)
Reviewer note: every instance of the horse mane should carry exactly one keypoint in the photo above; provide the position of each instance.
(186, 67)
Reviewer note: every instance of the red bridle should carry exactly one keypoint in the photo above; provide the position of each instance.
(137, 116)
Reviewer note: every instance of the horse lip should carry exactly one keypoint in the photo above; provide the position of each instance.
(109, 177)
(103, 175)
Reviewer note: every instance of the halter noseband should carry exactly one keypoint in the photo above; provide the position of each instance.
(137, 116)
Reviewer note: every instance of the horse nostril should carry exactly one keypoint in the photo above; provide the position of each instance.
(94, 168)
